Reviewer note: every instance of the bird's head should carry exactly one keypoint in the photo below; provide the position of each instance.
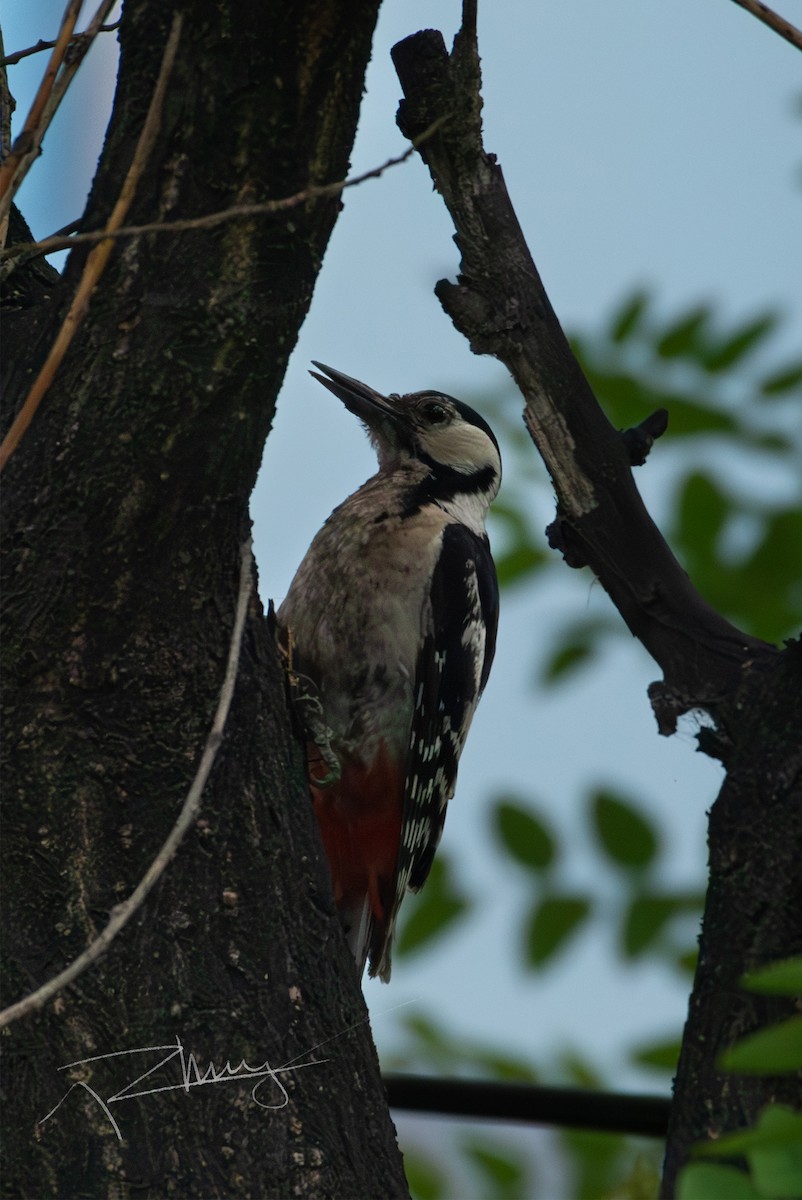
(449, 437)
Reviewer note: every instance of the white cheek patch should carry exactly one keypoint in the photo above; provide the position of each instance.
(464, 447)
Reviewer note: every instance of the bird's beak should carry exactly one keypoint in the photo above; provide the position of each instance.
(378, 412)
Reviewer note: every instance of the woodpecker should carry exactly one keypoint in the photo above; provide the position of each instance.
(389, 627)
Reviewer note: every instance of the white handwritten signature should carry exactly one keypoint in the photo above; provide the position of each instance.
(191, 1077)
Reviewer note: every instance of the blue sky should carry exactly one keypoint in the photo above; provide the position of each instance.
(642, 143)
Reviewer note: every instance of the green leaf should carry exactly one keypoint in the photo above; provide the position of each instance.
(504, 1172)
(574, 646)
(777, 979)
(595, 1159)
(521, 553)
(688, 960)
(688, 417)
(552, 924)
(777, 1170)
(738, 345)
(518, 563)
(688, 336)
(431, 1047)
(704, 1181)
(647, 916)
(523, 835)
(434, 910)
(625, 834)
(772, 1051)
(425, 1179)
(778, 1128)
(629, 316)
(566, 659)
(661, 1055)
(494, 1065)
(580, 1071)
(627, 400)
(773, 1149)
(701, 514)
(785, 380)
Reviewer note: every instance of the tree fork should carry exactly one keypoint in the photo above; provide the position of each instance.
(499, 304)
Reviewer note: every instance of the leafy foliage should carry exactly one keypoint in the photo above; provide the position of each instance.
(425, 1176)
(773, 1152)
(772, 1148)
(716, 383)
(504, 1175)
(730, 465)
(429, 1047)
(630, 844)
(777, 1049)
(594, 1162)
(661, 1055)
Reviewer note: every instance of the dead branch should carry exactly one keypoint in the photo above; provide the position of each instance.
(11, 60)
(121, 914)
(499, 304)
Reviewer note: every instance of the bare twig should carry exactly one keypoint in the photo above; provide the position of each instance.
(773, 20)
(26, 145)
(121, 914)
(60, 72)
(11, 60)
(24, 251)
(98, 258)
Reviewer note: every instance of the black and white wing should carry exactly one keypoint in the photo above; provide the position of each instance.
(459, 642)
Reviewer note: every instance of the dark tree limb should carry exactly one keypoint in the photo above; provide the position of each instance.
(752, 690)
(499, 304)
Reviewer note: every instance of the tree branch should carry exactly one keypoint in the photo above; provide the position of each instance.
(67, 56)
(24, 251)
(99, 257)
(773, 20)
(572, 1108)
(499, 303)
(121, 914)
(11, 60)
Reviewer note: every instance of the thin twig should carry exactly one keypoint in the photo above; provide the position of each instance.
(773, 20)
(60, 73)
(121, 914)
(96, 262)
(28, 250)
(27, 143)
(11, 60)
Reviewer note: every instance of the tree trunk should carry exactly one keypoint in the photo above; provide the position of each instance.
(125, 507)
(753, 914)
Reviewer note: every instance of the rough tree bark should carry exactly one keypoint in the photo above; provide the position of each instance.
(752, 690)
(125, 507)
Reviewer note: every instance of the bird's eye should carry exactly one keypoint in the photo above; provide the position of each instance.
(436, 413)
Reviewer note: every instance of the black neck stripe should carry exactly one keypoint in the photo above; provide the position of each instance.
(446, 483)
